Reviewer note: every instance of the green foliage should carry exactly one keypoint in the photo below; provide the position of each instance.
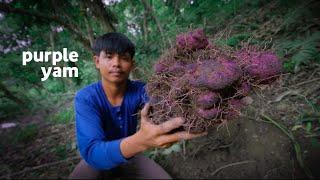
(60, 151)
(54, 85)
(88, 72)
(157, 154)
(299, 12)
(309, 121)
(236, 39)
(8, 108)
(26, 134)
(64, 116)
(302, 51)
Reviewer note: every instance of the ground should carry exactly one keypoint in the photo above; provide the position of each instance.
(250, 146)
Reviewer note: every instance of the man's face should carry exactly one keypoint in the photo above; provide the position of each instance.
(114, 68)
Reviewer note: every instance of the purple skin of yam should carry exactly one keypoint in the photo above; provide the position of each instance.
(192, 40)
(216, 74)
(245, 89)
(192, 79)
(207, 99)
(191, 68)
(208, 113)
(159, 68)
(231, 114)
(177, 68)
(235, 106)
(260, 65)
(264, 66)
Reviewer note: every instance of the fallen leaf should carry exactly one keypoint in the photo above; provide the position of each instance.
(284, 94)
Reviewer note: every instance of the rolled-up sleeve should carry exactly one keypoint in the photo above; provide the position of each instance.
(94, 148)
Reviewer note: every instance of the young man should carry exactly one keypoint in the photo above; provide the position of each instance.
(106, 118)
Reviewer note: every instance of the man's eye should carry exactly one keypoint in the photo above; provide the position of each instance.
(126, 58)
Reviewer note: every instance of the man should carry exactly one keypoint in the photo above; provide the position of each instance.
(106, 118)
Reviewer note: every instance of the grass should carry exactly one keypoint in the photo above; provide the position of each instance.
(64, 116)
(235, 40)
(26, 134)
(61, 151)
(309, 121)
(157, 154)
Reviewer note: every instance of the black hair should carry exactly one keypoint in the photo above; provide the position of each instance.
(113, 43)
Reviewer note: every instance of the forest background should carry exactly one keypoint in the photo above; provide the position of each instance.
(41, 142)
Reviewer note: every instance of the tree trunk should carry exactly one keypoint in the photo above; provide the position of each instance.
(87, 22)
(52, 34)
(105, 16)
(148, 8)
(145, 27)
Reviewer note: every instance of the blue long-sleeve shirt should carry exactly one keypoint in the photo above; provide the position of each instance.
(100, 127)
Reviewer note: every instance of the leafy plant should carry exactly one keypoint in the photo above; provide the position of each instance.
(309, 121)
(301, 51)
(159, 153)
(64, 116)
(236, 39)
(61, 151)
(26, 134)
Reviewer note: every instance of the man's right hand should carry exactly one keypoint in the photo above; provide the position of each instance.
(154, 136)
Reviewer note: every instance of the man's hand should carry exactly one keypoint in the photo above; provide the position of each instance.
(151, 135)
(157, 135)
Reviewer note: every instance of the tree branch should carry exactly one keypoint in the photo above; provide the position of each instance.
(87, 23)
(71, 27)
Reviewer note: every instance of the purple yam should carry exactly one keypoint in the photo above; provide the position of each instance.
(264, 66)
(176, 68)
(259, 65)
(191, 68)
(245, 89)
(217, 74)
(209, 113)
(159, 67)
(192, 40)
(207, 99)
(192, 79)
(235, 106)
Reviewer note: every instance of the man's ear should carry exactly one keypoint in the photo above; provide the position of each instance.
(96, 61)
